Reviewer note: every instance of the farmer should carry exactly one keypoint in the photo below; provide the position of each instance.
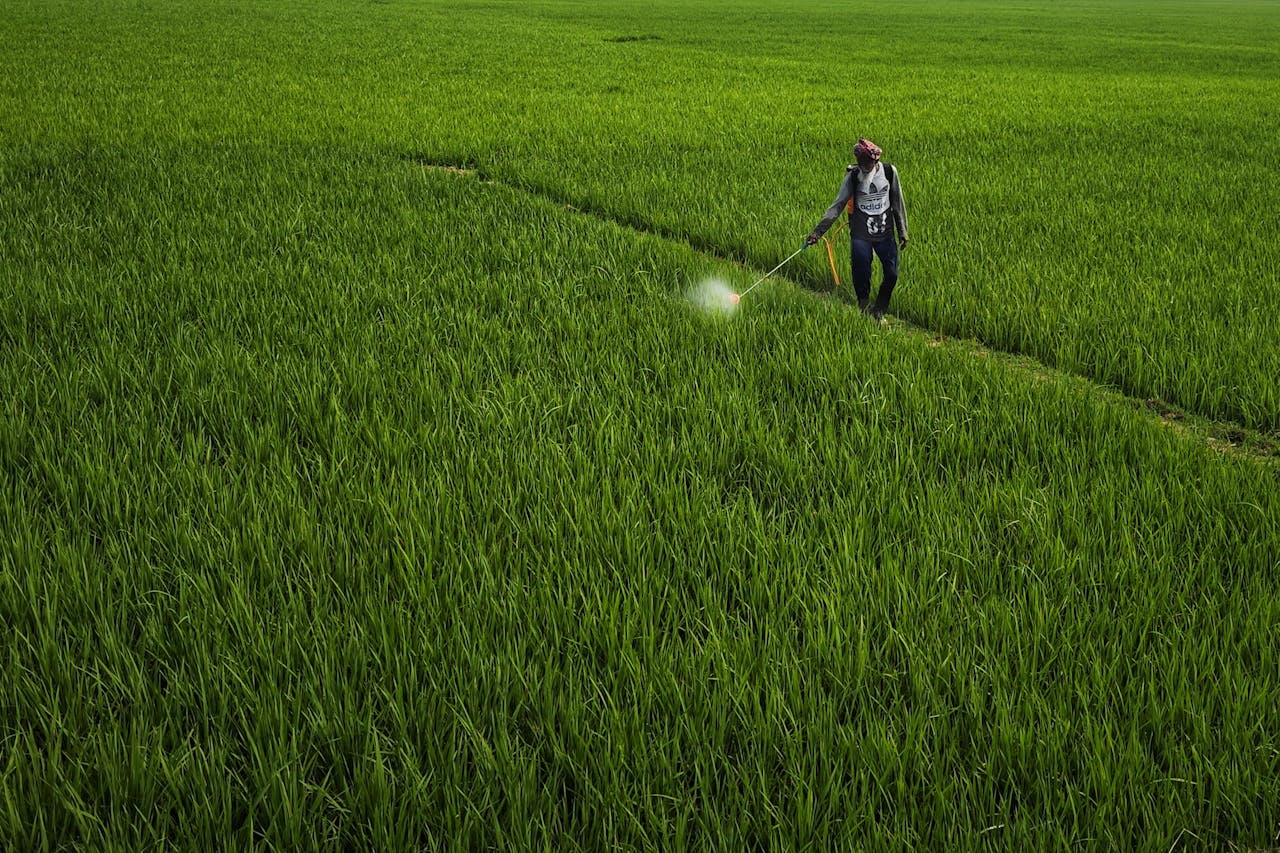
(873, 196)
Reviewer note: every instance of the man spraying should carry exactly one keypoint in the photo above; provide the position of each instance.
(872, 194)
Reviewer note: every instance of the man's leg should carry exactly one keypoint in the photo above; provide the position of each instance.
(860, 264)
(887, 251)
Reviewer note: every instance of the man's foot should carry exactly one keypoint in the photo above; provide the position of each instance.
(878, 309)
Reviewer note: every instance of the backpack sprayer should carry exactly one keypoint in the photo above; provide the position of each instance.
(872, 153)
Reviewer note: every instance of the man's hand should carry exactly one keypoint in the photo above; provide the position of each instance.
(902, 242)
(811, 239)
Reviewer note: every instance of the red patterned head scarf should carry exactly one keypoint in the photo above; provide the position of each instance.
(866, 150)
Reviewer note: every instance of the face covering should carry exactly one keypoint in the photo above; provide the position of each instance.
(865, 178)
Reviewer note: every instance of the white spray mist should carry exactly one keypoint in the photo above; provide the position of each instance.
(714, 296)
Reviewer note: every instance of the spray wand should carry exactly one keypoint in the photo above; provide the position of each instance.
(737, 296)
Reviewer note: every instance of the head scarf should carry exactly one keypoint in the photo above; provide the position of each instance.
(866, 149)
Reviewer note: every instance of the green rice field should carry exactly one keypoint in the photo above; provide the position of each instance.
(368, 479)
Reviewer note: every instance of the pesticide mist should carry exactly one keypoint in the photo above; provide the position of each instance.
(714, 296)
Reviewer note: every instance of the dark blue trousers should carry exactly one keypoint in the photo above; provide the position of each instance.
(860, 252)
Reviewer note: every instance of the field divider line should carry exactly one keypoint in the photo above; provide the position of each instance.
(1226, 437)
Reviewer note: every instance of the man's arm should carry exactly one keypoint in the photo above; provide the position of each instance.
(899, 206)
(833, 212)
